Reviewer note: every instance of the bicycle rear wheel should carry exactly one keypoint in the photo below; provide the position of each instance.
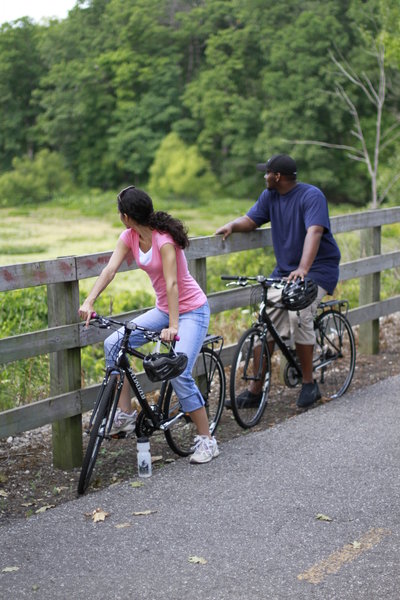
(251, 362)
(211, 384)
(97, 432)
(334, 353)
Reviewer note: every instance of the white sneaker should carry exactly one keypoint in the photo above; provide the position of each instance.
(205, 449)
(123, 422)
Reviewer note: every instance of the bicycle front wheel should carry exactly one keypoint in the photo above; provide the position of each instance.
(97, 433)
(251, 362)
(211, 383)
(334, 353)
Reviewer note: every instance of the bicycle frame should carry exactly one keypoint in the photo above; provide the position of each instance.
(266, 322)
(268, 326)
(123, 369)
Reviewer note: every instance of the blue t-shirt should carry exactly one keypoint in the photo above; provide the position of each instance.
(291, 215)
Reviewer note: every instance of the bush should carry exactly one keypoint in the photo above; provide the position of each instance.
(23, 381)
(180, 171)
(35, 180)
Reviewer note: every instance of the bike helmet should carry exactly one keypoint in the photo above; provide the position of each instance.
(164, 366)
(299, 294)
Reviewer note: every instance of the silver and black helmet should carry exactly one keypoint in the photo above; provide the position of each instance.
(160, 366)
(299, 294)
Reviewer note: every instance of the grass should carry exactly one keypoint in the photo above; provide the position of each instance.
(89, 223)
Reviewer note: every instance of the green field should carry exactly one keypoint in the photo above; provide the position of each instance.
(89, 223)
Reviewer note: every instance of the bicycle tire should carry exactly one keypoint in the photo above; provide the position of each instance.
(246, 366)
(97, 433)
(181, 434)
(334, 353)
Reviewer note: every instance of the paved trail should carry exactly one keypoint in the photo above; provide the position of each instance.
(251, 514)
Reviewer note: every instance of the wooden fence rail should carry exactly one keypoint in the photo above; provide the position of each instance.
(65, 336)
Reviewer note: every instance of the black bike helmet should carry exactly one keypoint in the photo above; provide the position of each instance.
(164, 366)
(299, 294)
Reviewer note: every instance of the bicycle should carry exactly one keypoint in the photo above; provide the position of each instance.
(333, 360)
(166, 414)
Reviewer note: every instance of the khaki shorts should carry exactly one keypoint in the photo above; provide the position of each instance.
(292, 325)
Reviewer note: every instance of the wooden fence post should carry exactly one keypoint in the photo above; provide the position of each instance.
(198, 270)
(370, 288)
(65, 374)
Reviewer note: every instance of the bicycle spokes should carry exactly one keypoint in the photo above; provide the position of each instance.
(334, 353)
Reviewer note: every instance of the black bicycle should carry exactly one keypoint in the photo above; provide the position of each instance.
(166, 414)
(333, 361)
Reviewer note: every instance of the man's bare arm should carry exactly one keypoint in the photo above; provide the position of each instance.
(241, 224)
(310, 250)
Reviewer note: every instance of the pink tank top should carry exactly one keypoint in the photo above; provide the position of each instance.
(191, 295)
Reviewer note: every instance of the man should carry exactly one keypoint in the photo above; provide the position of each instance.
(303, 246)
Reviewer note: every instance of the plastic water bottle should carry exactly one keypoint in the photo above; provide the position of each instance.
(143, 457)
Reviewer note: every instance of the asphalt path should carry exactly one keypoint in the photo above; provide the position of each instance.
(306, 510)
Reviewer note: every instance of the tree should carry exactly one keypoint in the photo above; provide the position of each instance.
(366, 88)
(295, 102)
(21, 68)
(181, 172)
(35, 180)
(368, 147)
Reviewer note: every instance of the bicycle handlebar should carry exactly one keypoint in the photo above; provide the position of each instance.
(243, 280)
(108, 321)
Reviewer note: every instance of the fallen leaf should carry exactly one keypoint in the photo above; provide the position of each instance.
(98, 515)
(169, 460)
(3, 494)
(197, 560)
(156, 459)
(143, 513)
(136, 484)
(57, 490)
(27, 504)
(43, 509)
(123, 525)
(322, 517)
(356, 545)
(9, 569)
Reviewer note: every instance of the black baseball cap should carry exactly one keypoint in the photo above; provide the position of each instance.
(279, 163)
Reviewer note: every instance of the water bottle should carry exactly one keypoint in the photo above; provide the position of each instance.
(143, 457)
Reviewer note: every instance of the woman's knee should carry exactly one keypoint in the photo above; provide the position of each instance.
(185, 388)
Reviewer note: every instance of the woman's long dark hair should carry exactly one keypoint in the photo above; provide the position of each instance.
(139, 206)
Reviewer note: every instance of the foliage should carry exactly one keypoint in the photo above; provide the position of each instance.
(107, 86)
(22, 311)
(21, 69)
(35, 180)
(23, 381)
(180, 171)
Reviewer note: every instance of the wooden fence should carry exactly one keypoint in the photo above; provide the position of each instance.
(65, 335)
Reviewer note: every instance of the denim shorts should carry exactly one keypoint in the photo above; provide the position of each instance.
(193, 327)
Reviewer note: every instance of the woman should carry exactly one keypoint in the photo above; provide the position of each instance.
(157, 242)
